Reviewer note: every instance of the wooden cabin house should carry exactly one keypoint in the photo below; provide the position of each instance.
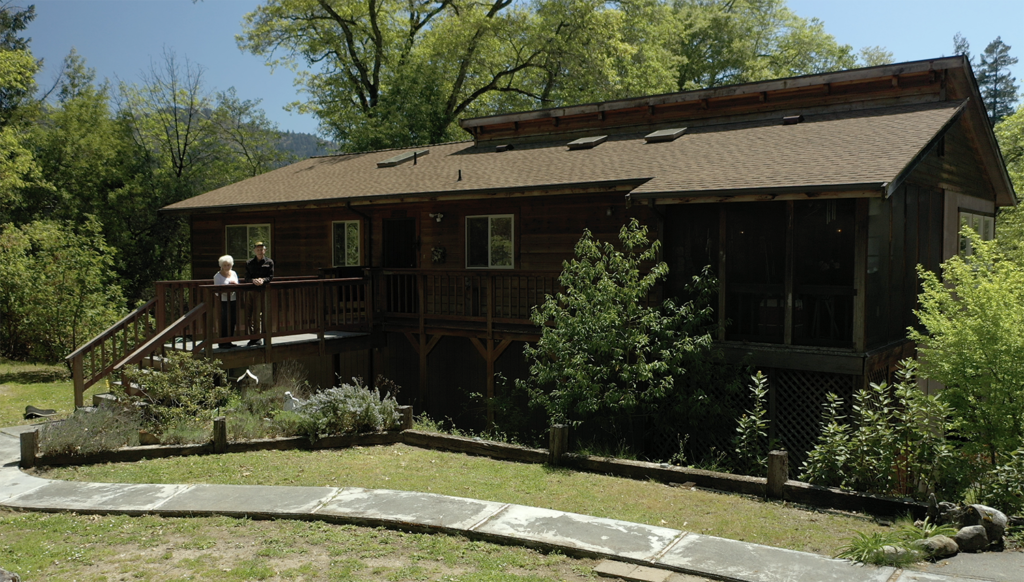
(812, 198)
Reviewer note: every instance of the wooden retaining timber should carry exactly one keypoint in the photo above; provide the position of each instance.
(793, 491)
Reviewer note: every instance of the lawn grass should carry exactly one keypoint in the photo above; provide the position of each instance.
(42, 546)
(153, 548)
(42, 386)
(406, 468)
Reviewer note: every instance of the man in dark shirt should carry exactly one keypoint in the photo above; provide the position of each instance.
(259, 271)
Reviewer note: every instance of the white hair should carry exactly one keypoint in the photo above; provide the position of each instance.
(226, 259)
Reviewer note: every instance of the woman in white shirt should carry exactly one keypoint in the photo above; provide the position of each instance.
(228, 314)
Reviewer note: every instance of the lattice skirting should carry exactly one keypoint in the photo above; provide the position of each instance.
(796, 403)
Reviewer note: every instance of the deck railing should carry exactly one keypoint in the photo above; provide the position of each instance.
(187, 315)
(182, 335)
(96, 359)
(481, 296)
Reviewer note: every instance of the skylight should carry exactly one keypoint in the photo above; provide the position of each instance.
(665, 135)
(585, 143)
(402, 158)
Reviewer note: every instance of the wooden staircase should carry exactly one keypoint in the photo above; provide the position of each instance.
(185, 316)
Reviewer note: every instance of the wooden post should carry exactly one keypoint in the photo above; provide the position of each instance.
(268, 321)
(860, 268)
(29, 449)
(321, 324)
(220, 434)
(722, 280)
(558, 443)
(787, 326)
(78, 376)
(778, 473)
(423, 351)
(212, 314)
(406, 412)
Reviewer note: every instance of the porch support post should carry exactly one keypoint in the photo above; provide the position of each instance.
(78, 375)
(722, 280)
(860, 269)
(321, 328)
(268, 322)
(212, 311)
(490, 353)
(787, 329)
(423, 347)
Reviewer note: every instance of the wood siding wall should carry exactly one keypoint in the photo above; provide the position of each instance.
(956, 166)
(546, 230)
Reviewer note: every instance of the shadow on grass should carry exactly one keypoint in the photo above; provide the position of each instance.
(34, 376)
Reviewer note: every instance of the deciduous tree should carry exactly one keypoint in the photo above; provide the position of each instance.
(973, 342)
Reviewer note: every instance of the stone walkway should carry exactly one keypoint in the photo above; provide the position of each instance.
(664, 554)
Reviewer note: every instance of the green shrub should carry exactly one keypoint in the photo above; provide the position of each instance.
(903, 544)
(346, 409)
(751, 441)
(1003, 486)
(607, 357)
(895, 442)
(185, 391)
(106, 428)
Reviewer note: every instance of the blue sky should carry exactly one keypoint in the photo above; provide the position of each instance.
(120, 38)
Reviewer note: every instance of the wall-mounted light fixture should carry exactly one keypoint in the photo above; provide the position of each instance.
(438, 216)
(609, 211)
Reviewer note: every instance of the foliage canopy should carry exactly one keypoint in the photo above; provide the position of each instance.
(973, 342)
(604, 350)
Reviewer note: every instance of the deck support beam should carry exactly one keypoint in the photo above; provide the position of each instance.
(490, 350)
(423, 347)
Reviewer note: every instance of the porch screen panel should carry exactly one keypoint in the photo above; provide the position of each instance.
(755, 271)
(877, 279)
(823, 248)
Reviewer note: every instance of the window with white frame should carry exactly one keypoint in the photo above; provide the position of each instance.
(489, 241)
(982, 224)
(346, 243)
(240, 239)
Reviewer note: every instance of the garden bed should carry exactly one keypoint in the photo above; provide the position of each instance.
(793, 491)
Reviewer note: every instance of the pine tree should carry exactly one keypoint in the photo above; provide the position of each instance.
(961, 46)
(998, 86)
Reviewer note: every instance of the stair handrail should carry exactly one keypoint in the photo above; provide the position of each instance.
(157, 341)
(75, 360)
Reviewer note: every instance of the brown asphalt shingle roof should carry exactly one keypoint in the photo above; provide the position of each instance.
(836, 149)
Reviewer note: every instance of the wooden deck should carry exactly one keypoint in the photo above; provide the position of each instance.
(301, 317)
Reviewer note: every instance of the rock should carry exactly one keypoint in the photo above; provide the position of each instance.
(895, 554)
(938, 547)
(933, 508)
(972, 538)
(6, 576)
(948, 513)
(993, 520)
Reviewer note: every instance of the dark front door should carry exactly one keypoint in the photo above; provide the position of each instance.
(399, 243)
(400, 253)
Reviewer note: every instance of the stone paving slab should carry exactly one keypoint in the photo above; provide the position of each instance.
(14, 483)
(592, 535)
(998, 566)
(247, 500)
(409, 508)
(914, 576)
(94, 497)
(746, 562)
